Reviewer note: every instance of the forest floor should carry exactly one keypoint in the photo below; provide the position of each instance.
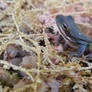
(31, 59)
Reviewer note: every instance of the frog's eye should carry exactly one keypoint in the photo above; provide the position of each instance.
(64, 26)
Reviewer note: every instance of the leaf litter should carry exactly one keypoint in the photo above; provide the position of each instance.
(31, 59)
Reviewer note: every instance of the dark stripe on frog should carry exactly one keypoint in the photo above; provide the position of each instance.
(69, 41)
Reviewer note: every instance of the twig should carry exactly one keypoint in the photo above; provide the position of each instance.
(17, 68)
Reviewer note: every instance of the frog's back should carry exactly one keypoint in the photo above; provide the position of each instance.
(76, 32)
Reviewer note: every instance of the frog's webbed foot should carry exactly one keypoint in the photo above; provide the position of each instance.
(65, 47)
(73, 54)
(78, 53)
(89, 56)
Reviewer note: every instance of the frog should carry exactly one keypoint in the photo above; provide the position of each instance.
(72, 35)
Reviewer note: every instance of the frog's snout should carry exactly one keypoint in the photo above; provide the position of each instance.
(59, 19)
(58, 16)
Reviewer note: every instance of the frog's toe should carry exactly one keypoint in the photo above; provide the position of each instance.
(73, 55)
(89, 56)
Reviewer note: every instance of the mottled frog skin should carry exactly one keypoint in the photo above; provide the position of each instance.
(72, 35)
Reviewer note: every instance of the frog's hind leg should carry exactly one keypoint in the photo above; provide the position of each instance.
(80, 51)
(88, 54)
(82, 48)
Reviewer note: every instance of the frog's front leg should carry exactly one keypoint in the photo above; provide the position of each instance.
(59, 39)
(80, 51)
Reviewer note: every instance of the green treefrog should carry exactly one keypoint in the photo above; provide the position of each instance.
(72, 35)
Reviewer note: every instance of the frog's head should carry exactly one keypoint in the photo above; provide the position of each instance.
(65, 25)
(69, 29)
